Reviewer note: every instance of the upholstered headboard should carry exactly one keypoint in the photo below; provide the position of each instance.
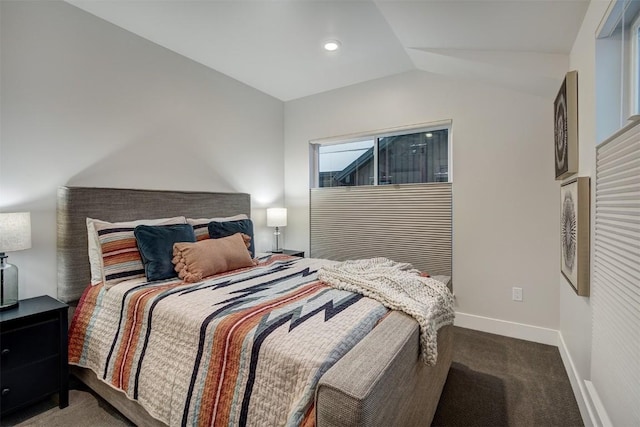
(75, 204)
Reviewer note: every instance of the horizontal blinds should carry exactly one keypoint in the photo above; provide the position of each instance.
(406, 223)
(616, 277)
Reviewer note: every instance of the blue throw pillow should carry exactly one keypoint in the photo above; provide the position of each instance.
(155, 243)
(228, 228)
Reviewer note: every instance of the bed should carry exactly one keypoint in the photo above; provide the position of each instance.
(393, 388)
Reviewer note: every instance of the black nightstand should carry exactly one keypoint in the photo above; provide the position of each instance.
(33, 343)
(291, 252)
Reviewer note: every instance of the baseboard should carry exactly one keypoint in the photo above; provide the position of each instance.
(507, 329)
(580, 391)
(602, 418)
(591, 408)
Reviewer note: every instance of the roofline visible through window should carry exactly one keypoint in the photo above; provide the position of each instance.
(375, 136)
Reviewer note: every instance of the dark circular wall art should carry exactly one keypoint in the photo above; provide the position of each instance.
(560, 131)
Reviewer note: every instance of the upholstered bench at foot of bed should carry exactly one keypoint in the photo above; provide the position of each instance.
(381, 382)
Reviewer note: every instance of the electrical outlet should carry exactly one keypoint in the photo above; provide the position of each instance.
(516, 294)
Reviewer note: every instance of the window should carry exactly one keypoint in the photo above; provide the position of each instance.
(617, 68)
(419, 155)
(346, 164)
(414, 158)
(635, 68)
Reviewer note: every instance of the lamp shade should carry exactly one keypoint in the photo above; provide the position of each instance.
(276, 217)
(15, 231)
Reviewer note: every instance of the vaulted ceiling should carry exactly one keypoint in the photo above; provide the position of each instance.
(276, 46)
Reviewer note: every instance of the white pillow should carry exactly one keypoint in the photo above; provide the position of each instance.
(95, 249)
(200, 224)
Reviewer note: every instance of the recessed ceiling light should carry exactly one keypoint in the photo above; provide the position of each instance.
(331, 45)
(428, 135)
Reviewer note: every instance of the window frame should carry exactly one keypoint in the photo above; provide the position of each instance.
(314, 148)
(634, 65)
(618, 82)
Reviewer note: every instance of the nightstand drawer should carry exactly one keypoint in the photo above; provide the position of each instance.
(33, 359)
(24, 385)
(22, 346)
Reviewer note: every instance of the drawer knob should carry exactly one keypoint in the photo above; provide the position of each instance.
(5, 351)
(5, 391)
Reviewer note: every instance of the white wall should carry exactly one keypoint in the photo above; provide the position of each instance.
(575, 312)
(505, 204)
(86, 103)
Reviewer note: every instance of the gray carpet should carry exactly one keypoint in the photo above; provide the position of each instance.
(500, 381)
(493, 381)
(85, 409)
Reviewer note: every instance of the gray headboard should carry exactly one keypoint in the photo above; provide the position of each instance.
(75, 204)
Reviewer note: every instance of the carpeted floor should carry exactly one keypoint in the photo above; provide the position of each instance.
(493, 381)
(500, 381)
(84, 409)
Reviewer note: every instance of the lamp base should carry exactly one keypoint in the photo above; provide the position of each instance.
(277, 242)
(8, 284)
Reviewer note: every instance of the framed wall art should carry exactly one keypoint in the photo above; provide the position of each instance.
(574, 233)
(565, 110)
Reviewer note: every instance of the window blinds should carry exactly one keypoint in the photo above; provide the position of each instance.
(405, 223)
(615, 298)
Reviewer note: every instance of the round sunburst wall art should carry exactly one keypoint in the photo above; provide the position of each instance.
(574, 233)
(568, 231)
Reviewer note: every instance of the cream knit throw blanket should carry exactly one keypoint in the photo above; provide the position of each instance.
(397, 286)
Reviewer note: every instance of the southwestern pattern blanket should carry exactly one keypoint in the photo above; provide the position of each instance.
(241, 348)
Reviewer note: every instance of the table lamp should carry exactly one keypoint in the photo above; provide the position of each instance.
(277, 217)
(15, 235)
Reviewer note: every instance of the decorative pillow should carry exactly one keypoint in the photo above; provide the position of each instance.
(155, 243)
(224, 229)
(95, 256)
(194, 261)
(120, 258)
(200, 224)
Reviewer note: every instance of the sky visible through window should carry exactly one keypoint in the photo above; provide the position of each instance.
(337, 157)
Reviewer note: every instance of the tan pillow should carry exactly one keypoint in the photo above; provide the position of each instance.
(194, 261)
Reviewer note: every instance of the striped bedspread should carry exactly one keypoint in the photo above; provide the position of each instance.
(242, 348)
